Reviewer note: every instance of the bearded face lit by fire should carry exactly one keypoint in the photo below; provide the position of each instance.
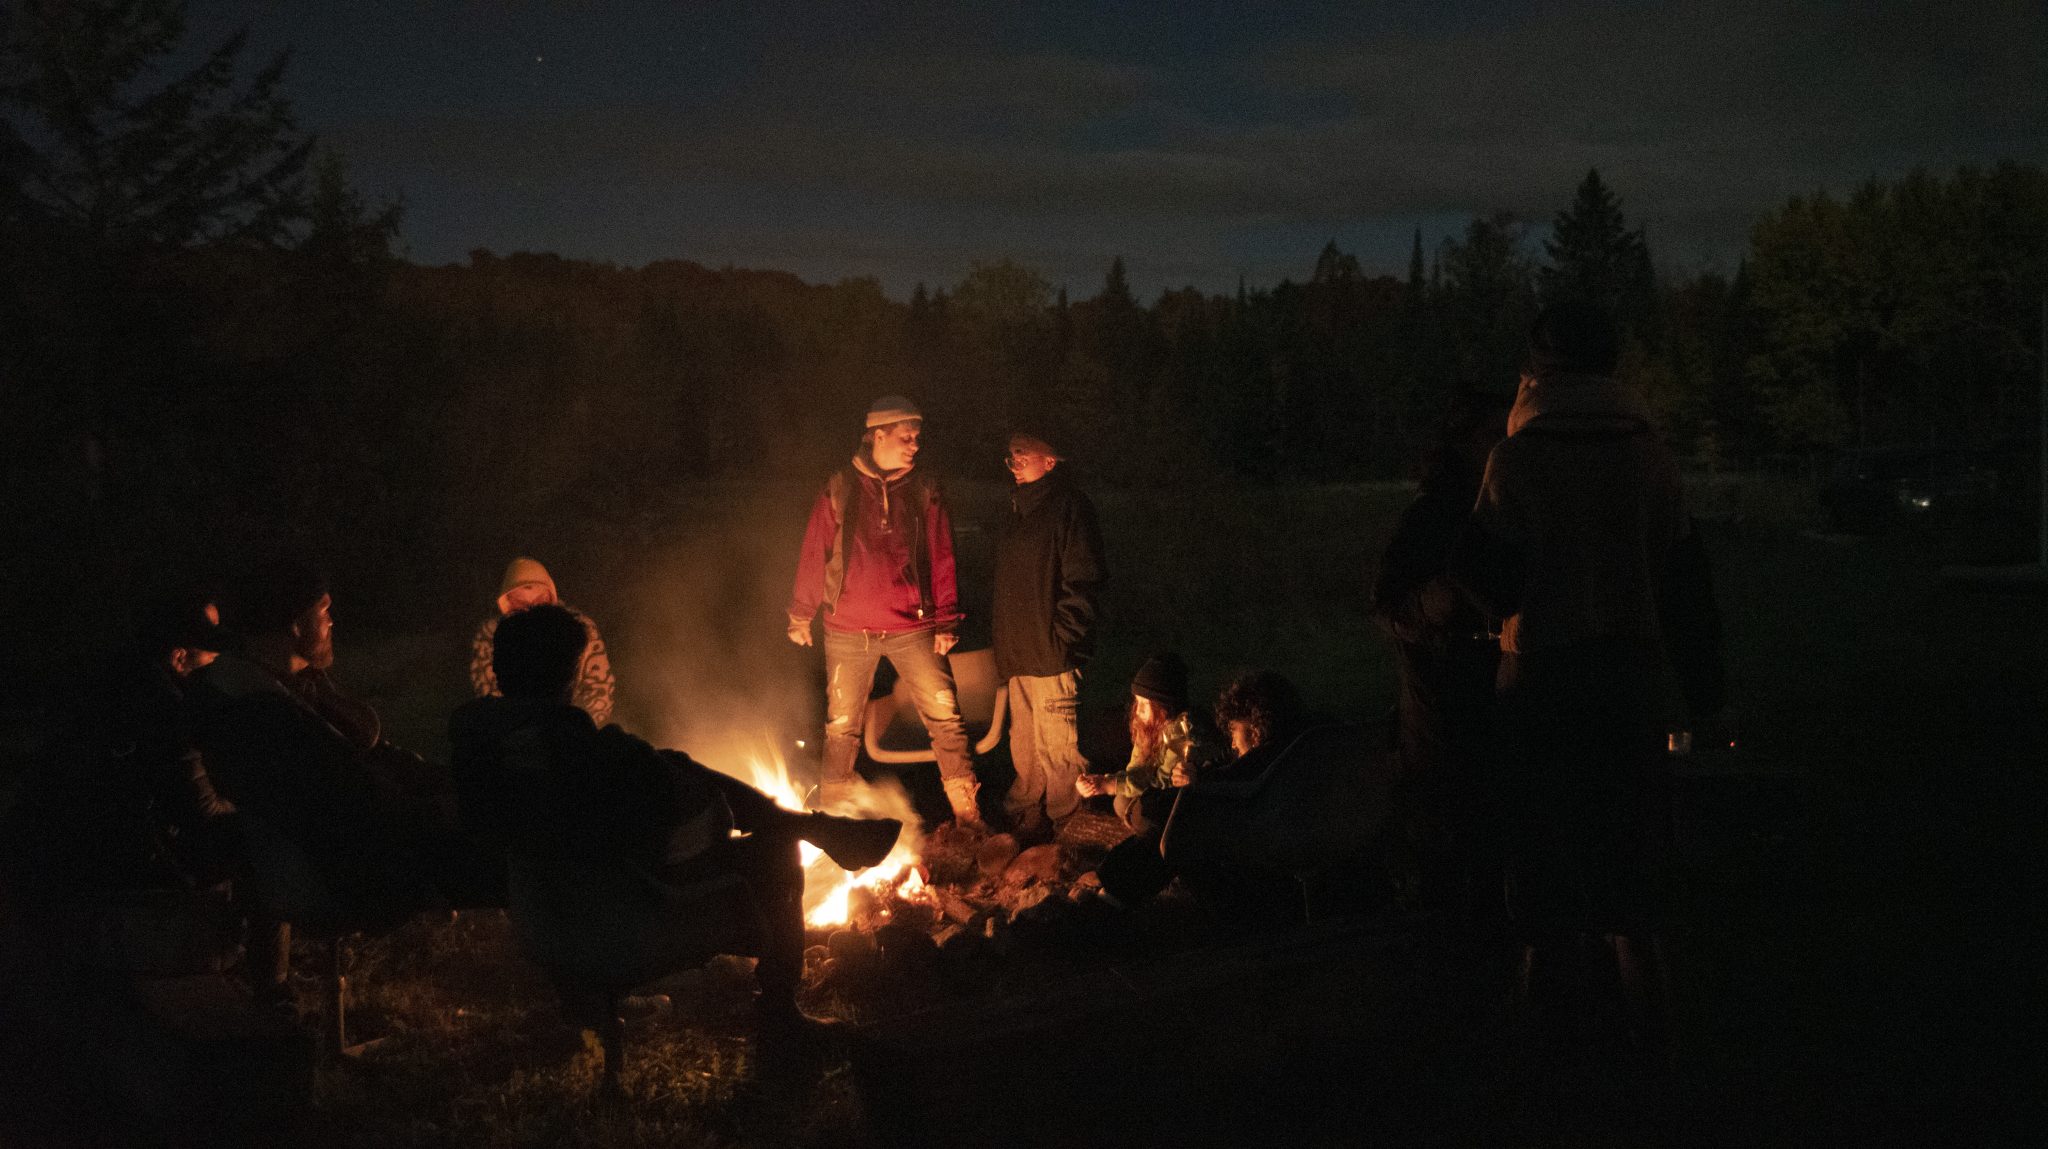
(313, 634)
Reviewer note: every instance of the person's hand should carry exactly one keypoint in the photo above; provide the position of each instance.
(943, 642)
(1092, 785)
(800, 631)
(1181, 775)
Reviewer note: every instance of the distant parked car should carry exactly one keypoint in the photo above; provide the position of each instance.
(1872, 489)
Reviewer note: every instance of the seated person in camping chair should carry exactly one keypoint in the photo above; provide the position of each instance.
(342, 831)
(627, 862)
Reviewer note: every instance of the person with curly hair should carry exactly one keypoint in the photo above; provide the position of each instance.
(1261, 711)
(1257, 709)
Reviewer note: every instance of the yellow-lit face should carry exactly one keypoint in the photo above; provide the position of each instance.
(1241, 741)
(525, 596)
(895, 446)
(1028, 464)
(1145, 710)
(314, 634)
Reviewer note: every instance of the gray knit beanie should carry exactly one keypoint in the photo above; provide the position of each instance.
(891, 409)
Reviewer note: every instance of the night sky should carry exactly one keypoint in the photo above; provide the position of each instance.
(1202, 142)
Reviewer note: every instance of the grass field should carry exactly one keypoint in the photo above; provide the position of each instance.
(1858, 878)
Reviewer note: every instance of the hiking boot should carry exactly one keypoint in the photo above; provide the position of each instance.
(960, 794)
(853, 843)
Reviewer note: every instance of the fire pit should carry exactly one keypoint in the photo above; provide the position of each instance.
(935, 903)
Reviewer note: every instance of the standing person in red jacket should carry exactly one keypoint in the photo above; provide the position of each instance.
(878, 558)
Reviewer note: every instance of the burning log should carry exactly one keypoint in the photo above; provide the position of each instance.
(956, 908)
(912, 913)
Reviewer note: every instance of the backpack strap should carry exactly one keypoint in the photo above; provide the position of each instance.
(841, 490)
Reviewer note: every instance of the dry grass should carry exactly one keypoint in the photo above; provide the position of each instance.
(474, 1053)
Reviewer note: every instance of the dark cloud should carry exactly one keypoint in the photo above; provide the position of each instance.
(908, 148)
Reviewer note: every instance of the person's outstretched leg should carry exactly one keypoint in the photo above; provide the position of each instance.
(853, 843)
(773, 871)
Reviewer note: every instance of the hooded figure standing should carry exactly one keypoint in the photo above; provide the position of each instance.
(527, 584)
(1580, 541)
(878, 559)
(1448, 658)
(1048, 571)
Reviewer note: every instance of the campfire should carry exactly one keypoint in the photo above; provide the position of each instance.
(940, 906)
(832, 896)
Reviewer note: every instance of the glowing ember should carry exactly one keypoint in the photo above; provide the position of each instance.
(828, 890)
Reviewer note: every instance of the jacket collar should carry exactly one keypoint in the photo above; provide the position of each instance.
(1028, 497)
(1578, 402)
(861, 465)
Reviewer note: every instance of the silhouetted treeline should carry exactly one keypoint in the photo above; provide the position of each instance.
(205, 337)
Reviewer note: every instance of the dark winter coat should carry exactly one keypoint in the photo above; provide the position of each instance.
(1579, 538)
(1446, 656)
(374, 823)
(540, 778)
(600, 831)
(1049, 571)
(1576, 518)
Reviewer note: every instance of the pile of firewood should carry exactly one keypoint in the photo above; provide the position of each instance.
(982, 896)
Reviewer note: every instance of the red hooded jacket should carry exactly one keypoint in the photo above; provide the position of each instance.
(877, 555)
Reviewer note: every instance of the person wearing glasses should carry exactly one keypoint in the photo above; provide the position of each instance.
(1048, 572)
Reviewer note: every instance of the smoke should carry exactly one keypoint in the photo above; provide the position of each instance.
(704, 663)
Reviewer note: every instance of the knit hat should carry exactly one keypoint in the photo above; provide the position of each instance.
(520, 572)
(891, 409)
(1164, 680)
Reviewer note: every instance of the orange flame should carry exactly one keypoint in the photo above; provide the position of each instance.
(828, 890)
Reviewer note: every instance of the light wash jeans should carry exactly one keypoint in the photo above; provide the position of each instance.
(850, 661)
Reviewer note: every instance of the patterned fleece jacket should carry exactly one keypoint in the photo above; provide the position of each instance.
(595, 685)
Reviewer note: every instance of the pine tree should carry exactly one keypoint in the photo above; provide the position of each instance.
(1116, 289)
(1334, 265)
(1595, 258)
(89, 156)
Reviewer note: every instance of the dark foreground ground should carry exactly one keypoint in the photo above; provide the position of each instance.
(1854, 950)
